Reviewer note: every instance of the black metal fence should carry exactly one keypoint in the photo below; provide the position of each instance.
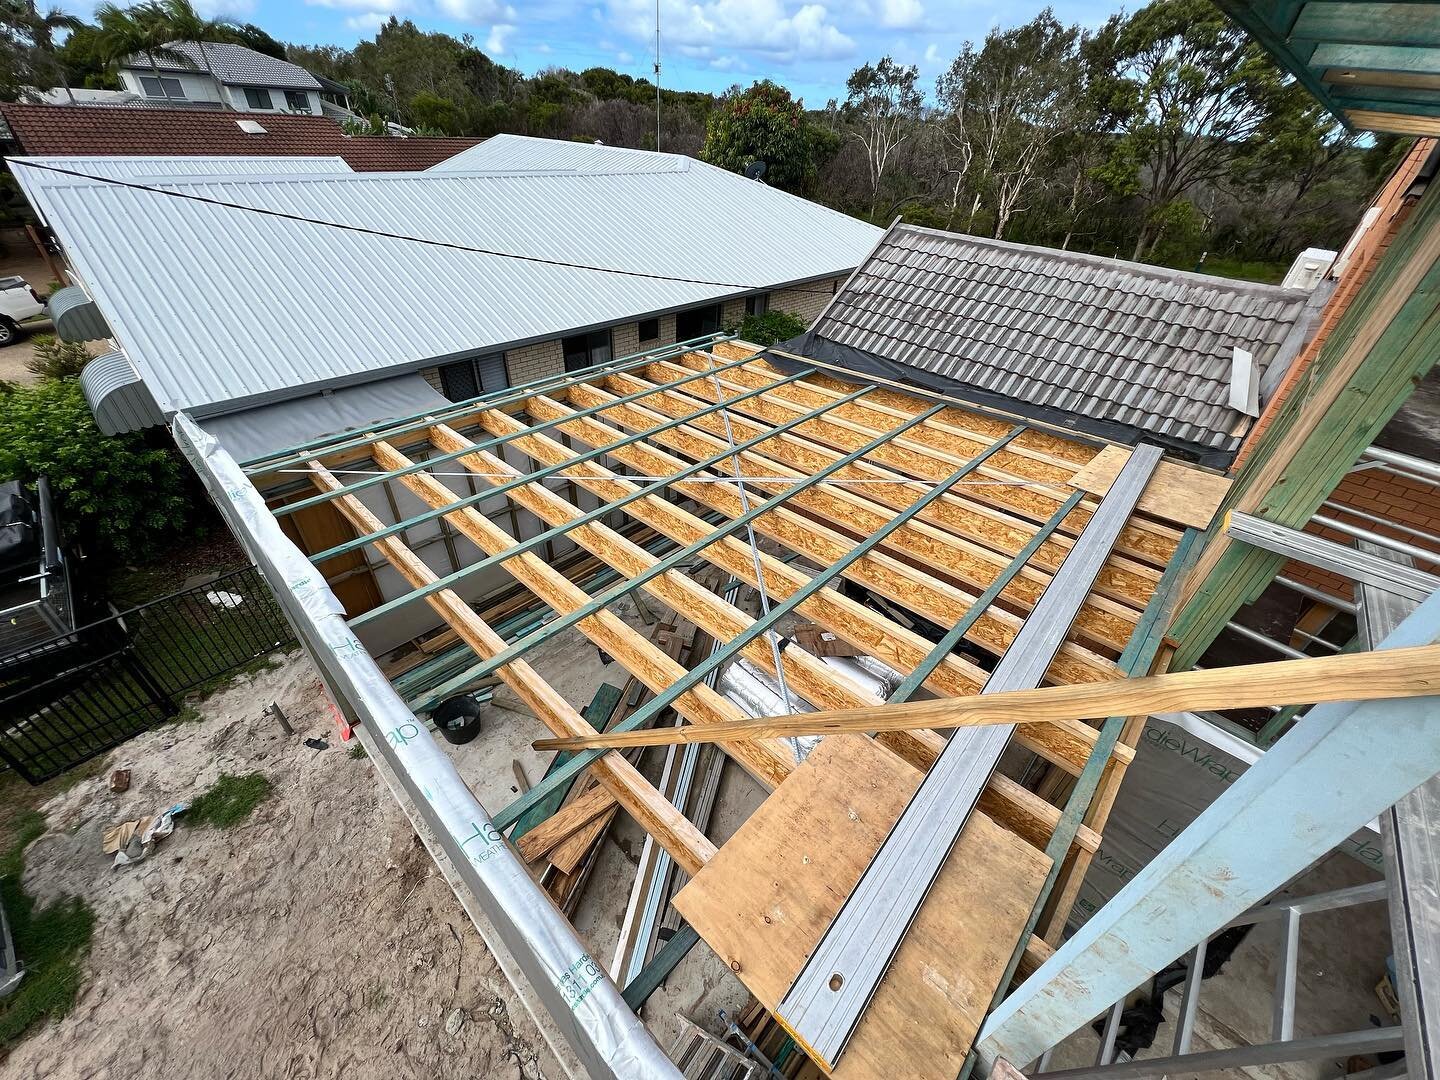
(76, 695)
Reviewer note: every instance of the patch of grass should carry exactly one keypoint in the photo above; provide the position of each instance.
(357, 751)
(229, 802)
(51, 942)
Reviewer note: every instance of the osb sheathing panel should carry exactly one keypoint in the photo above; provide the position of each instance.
(949, 438)
(931, 550)
(1131, 582)
(914, 590)
(1151, 541)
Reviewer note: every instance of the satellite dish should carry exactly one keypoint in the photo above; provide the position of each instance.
(755, 170)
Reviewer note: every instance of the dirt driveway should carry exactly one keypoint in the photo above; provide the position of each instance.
(313, 940)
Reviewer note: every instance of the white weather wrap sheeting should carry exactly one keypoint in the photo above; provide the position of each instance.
(607, 1037)
(220, 308)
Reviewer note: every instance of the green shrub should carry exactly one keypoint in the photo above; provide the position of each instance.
(119, 495)
(56, 359)
(229, 802)
(769, 328)
(50, 941)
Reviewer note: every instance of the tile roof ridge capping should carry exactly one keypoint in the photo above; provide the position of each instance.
(1162, 273)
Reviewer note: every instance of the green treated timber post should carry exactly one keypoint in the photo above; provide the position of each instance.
(819, 581)
(638, 990)
(1402, 354)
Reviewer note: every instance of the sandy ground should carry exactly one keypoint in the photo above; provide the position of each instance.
(314, 940)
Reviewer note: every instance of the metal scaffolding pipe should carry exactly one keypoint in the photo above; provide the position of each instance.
(1419, 467)
(1318, 595)
(1400, 547)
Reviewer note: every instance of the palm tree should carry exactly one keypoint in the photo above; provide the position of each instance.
(183, 23)
(127, 32)
(40, 29)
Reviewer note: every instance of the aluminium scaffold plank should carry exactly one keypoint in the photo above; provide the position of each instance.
(831, 993)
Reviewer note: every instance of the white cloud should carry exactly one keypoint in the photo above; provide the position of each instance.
(725, 63)
(932, 53)
(367, 22)
(780, 29)
(543, 47)
(476, 11)
(624, 57)
(211, 9)
(495, 43)
(386, 6)
(901, 14)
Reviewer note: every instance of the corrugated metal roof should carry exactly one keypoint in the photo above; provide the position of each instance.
(523, 153)
(1125, 343)
(218, 308)
(140, 167)
(234, 65)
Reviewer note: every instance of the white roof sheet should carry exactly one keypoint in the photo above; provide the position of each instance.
(523, 153)
(220, 308)
(140, 167)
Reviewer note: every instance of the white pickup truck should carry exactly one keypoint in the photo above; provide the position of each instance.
(18, 302)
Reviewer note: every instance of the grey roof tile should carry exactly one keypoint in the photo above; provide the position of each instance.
(1139, 345)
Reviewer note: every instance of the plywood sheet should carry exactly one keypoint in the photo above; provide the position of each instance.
(1176, 492)
(765, 899)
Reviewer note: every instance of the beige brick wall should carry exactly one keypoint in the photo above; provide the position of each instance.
(535, 361)
(733, 313)
(432, 376)
(625, 339)
(806, 301)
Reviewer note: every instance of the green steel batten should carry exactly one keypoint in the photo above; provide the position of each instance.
(498, 440)
(638, 990)
(539, 474)
(441, 667)
(1139, 653)
(722, 655)
(947, 644)
(600, 709)
(493, 400)
(499, 660)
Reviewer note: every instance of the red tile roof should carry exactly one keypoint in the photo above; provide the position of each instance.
(93, 129)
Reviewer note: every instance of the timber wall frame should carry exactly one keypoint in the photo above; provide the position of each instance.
(946, 515)
(1387, 340)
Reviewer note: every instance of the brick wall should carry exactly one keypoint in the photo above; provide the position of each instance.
(625, 339)
(1397, 498)
(732, 313)
(535, 362)
(806, 301)
(432, 376)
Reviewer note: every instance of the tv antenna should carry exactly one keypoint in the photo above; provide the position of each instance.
(657, 74)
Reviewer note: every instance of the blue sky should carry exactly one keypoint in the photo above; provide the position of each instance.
(810, 46)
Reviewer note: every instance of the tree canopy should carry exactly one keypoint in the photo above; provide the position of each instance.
(1162, 135)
